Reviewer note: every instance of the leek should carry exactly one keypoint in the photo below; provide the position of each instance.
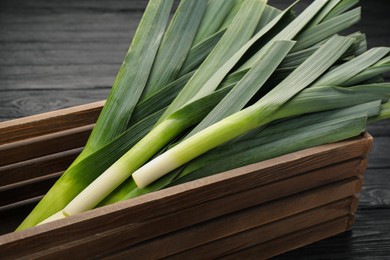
(243, 121)
(176, 44)
(238, 33)
(226, 84)
(145, 44)
(166, 131)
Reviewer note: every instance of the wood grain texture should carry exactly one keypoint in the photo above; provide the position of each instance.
(376, 191)
(379, 157)
(294, 240)
(380, 129)
(25, 191)
(44, 145)
(205, 233)
(133, 231)
(38, 167)
(28, 127)
(364, 241)
(244, 240)
(33, 102)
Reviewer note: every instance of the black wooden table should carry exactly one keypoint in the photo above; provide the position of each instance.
(56, 54)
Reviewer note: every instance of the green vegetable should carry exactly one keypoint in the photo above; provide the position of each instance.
(228, 83)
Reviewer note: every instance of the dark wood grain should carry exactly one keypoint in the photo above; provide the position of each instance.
(364, 241)
(38, 167)
(379, 129)
(376, 191)
(61, 120)
(295, 240)
(26, 103)
(225, 247)
(44, 145)
(379, 157)
(190, 240)
(25, 191)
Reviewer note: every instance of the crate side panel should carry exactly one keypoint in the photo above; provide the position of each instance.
(175, 199)
(225, 226)
(137, 227)
(294, 240)
(262, 234)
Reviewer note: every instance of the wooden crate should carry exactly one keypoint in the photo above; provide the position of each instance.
(260, 210)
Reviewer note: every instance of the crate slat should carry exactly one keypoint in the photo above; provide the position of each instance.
(51, 122)
(294, 240)
(44, 145)
(28, 190)
(36, 168)
(262, 234)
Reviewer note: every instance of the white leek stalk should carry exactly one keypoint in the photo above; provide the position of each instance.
(250, 118)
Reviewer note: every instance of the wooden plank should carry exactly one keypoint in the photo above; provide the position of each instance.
(63, 57)
(32, 126)
(120, 23)
(27, 190)
(26, 103)
(35, 168)
(44, 145)
(223, 227)
(21, 69)
(376, 189)
(173, 208)
(62, 77)
(75, 6)
(369, 239)
(379, 129)
(379, 156)
(294, 240)
(86, 4)
(11, 217)
(241, 241)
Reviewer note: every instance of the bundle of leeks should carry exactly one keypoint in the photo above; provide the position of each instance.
(223, 84)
